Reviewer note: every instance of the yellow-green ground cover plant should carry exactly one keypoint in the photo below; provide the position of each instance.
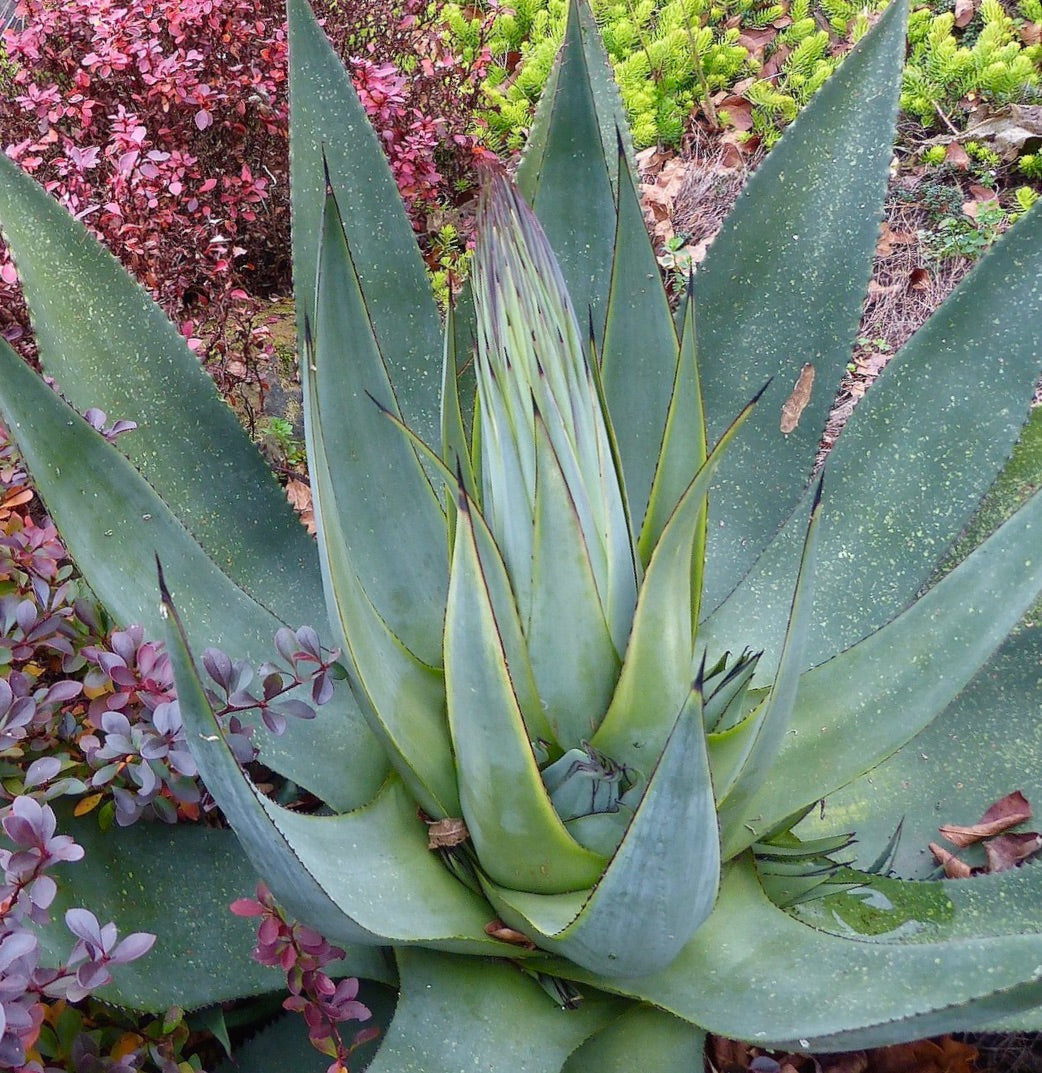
(606, 640)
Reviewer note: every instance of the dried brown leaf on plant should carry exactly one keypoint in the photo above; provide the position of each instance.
(1001, 816)
(954, 867)
(1009, 850)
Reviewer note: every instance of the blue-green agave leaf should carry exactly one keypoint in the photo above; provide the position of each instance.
(376, 480)
(923, 445)
(177, 882)
(115, 521)
(567, 174)
(800, 240)
(683, 449)
(456, 1013)
(662, 880)
(659, 1041)
(864, 704)
(108, 345)
(772, 725)
(331, 136)
(363, 877)
(402, 697)
(574, 658)
(995, 720)
(639, 356)
(520, 840)
(960, 973)
(659, 658)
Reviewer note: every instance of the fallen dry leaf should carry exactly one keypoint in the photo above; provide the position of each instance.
(498, 930)
(944, 1055)
(299, 495)
(889, 238)
(954, 867)
(1009, 850)
(736, 113)
(957, 157)
(793, 407)
(964, 12)
(1001, 816)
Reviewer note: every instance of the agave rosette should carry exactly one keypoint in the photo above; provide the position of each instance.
(589, 601)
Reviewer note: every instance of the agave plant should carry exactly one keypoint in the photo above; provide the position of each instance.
(607, 642)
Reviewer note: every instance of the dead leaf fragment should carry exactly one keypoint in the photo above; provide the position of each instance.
(793, 407)
(1009, 850)
(1001, 816)
(964, 12)
(444, 834)
(957, 157)
(944, 1055)
(498, 930)
(954, 867)
(299, 495)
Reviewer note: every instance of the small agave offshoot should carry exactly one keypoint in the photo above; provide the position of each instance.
(593, 700)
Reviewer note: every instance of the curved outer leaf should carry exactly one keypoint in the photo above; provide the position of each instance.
(754, 972)
(372, 472)
(114, 523)
(457, 1013)
(772, 725)
(684, 447)
(642, 1034)
(519, 838)
(331, 134)
(362, 877)
(915, 458)
(567, 175)
(658, 661)
(109, 345)
(176, 882)
(799, 242)
(402, 697)
(995, 720)
(574, 659)
(864, 704)
(662, 880)
(639, 358)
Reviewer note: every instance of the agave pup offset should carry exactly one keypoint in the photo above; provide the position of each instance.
(606, 642)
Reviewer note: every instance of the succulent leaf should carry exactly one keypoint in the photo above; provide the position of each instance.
(402, 697)
(372, 470)
(519, 838)
(958, 971)
(909, 446)
(793, 246)
(108, 345)
(567, 175)
(772, 725)
(906, 674)
(661, 882)
(639, 352)
(454, 1009)
(116, 523)
(333, 143)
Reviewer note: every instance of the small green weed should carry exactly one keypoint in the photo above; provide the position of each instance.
(276, 438)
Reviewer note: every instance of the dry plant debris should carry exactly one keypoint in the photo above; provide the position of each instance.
(1003, 848)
